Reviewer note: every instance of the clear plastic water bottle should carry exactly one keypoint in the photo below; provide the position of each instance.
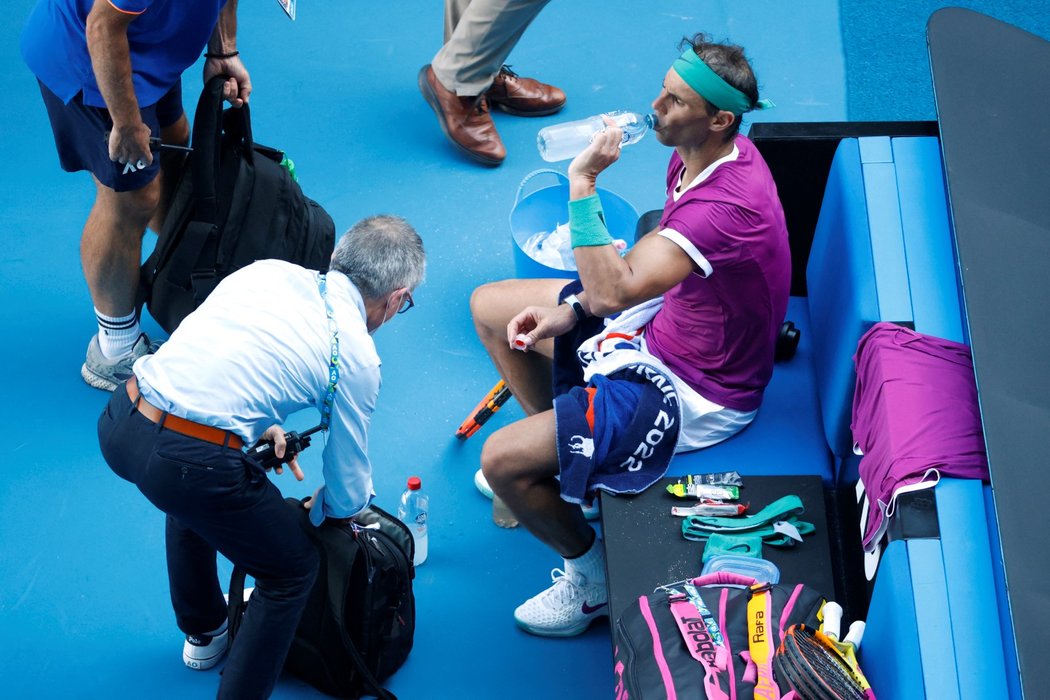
(413, 512)
(501, 513)
(567, 140)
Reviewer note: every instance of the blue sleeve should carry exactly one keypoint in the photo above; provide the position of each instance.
(346, 468)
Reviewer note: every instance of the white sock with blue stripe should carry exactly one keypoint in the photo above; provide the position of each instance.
(117, 334)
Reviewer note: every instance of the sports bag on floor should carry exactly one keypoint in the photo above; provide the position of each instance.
(234, 204)
(360, 618)
(704, 639)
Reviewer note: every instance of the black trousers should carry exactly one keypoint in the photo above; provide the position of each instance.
(216, 500)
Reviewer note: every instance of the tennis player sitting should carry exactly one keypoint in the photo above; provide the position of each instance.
(667, 349)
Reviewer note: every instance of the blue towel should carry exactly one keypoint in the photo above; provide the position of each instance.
(618, 433)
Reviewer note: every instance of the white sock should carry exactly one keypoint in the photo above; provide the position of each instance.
(590, 564)
(117, 335)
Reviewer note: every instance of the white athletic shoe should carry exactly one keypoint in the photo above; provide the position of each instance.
(565, 609)
(203, 651)
(590, 512)
(106, 374)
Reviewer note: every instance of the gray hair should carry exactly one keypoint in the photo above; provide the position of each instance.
(380, 254)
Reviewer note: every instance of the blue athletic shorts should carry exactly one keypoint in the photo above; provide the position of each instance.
(80, 137)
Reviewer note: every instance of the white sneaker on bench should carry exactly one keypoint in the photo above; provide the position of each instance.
(565, 609)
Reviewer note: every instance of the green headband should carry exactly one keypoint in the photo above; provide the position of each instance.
(709, 85)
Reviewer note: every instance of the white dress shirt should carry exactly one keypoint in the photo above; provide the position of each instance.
(258, 350)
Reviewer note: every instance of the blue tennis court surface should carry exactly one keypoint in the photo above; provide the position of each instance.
(84, 609)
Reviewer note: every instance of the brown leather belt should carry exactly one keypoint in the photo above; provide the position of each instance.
(207, 433)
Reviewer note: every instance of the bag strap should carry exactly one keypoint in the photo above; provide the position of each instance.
(702, 638)
(236, 606)
(337, 604)
(724, 578)
(333, 357)
(781, 509)
(207, 146)
(203, 171)
(760, 642)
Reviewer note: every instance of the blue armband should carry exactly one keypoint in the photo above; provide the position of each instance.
(587, 222)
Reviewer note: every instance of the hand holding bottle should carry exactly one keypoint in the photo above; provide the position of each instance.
(603, 151)
(566, 140)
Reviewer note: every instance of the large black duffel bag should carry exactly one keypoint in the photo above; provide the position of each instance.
(234, 204)
(359, 622)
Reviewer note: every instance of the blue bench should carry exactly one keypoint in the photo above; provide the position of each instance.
(928, 592)
(883, 251)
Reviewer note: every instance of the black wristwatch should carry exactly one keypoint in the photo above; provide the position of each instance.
(577, 307)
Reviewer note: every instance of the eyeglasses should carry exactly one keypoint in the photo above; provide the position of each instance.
(406, 302)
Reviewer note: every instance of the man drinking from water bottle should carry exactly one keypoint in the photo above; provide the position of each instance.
(700, 300)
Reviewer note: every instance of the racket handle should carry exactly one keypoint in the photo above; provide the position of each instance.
(832, 620)
(856, 633)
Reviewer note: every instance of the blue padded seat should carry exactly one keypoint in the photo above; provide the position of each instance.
(933, 283)
(931, 597)
(843, 302)
(785, 436)
(934, 619)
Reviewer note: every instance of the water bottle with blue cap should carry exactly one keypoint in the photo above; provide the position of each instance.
(569, 139)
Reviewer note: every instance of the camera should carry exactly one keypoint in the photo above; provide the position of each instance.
(295, 443)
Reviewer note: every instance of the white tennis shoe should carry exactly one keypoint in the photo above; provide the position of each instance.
(565, 609)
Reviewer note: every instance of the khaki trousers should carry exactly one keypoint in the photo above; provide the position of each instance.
(479, 35)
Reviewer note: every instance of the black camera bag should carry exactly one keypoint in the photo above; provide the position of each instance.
(234, 204)
(359, 621)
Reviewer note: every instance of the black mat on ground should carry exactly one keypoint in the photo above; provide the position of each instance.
(645, 548)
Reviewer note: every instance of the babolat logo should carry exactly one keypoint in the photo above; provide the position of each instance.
(702, 646)
(759, 635)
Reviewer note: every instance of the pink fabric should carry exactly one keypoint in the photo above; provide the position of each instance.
(750, 668)
(722, 625)
(724, 578)
(621, 690)
(915, 416)
(786, 612)
(658, 649)
(700, 644)
(717, 333)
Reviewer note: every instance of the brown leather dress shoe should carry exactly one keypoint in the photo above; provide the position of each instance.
(525, 97)
(465, 120)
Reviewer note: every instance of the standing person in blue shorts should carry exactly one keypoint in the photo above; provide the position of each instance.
(110, 72)
(675, 340)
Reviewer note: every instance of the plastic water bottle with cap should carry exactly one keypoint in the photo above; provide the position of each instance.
(567, 140)
(413, 512)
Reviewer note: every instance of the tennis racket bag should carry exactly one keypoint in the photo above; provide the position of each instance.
(358, 625)
(712, 637)
(234, 204)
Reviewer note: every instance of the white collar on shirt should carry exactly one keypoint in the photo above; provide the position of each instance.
(704, 174)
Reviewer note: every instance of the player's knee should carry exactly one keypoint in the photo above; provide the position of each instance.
(139, 205)
(487, 308)
(497, 459)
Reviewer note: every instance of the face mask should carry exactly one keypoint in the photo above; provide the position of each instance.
(386, 316)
